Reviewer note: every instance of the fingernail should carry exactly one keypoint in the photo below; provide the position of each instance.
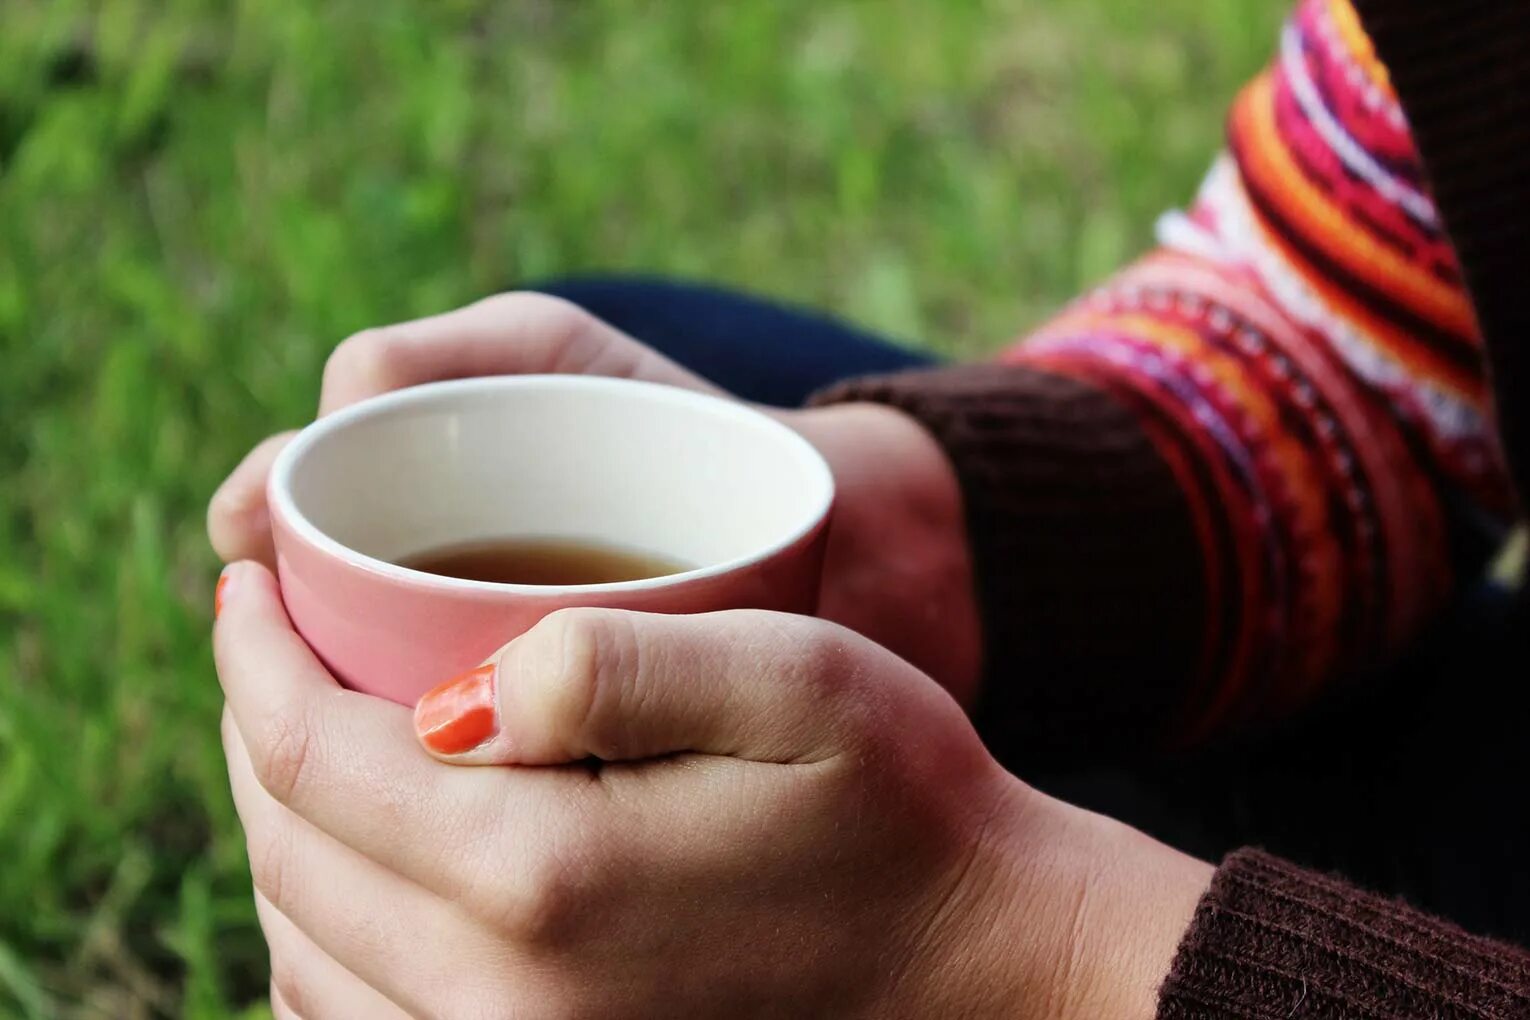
(220, 593)
(459, 715)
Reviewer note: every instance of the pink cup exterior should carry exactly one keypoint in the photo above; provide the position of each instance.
(396, 637)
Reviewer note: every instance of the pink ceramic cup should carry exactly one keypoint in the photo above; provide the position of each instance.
(650, 468)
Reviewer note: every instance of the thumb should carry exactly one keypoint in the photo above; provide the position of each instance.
(621, 686)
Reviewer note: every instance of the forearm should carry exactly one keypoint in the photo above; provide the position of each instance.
(1089, 632)
(1250, 465)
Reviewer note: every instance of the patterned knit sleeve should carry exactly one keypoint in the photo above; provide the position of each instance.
(1299, 359)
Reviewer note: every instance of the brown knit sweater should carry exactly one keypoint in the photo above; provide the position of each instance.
(1103, 505)
(1272, 940)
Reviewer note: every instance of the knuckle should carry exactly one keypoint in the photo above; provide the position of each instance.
(590, 652)
(284, 754)
(270, 853)
(580, 642)
(567, 338)
(287, 985)
(229, 506)
(369, 354)
(547, 311)
(826, 662)
(847, 686)
(542, 905)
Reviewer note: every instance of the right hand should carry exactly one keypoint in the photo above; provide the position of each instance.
(897, 567)
(787, 820)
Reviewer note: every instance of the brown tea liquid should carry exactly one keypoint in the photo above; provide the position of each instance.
(541, 561)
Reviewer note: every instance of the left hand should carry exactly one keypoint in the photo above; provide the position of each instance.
(733, 814)
(896, 567)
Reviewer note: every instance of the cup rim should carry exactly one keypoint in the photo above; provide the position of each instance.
(284, 507)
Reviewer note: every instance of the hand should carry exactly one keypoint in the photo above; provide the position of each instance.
(734, 814)
(897, 566)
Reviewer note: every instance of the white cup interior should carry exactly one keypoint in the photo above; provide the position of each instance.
(653, 469)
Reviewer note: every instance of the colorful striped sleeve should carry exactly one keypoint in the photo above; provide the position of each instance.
(1249, 467)
(1301, 348)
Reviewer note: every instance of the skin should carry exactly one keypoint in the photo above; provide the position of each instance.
(894, 487)
(788, 819)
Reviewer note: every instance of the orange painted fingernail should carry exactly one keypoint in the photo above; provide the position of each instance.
(218, 594)
(459, 715)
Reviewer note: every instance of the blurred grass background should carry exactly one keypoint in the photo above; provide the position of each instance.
(199, 199)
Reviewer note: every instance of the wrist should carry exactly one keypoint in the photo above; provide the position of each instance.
(1060, 914)
(899, 529)
(1109, 906)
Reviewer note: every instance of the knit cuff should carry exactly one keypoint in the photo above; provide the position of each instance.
(1089, 569)
(1270, 939)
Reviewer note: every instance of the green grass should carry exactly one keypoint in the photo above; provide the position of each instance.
(198, 200)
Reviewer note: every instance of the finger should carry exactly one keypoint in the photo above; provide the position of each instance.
(238, 522)
(389, 932)
(619, 685)
(508, 334)
(279, 1008)
(348, 763)
(307, 984)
